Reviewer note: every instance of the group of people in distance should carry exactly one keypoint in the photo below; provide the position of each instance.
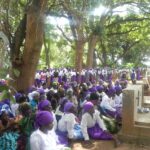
(56, 111)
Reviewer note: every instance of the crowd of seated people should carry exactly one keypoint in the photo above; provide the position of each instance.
(61, 108)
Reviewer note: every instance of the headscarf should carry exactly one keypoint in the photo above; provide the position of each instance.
(62, 104)
(93, 89)
(111, 91)
(118, 88)
(87, 106)
(5, 108)
(43, 103)
(18, 96)
(43, 118)
(67, 106)
(41, 91)
(100, 88)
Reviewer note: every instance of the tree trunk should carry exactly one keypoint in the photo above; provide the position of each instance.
(33, 44)
(91, 46)
(79, 56)
(104, 54)
(47, 49)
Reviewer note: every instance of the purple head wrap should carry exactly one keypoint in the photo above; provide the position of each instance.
(100, 88)
(67, 106)
(43, 118)
(66, 86)
(41, 91)
(63, 100)
(111, 91)
(118, 88)
(43, 103)
(87, 106)
(17, 96)
(93, 89)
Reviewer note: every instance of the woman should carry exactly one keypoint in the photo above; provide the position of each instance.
(68, 125)
(93, 126)
(26, 126)
(43, 138)
(8, 131)
(60, 109)
(45, 105)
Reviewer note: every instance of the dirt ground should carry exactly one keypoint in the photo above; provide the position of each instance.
(107, 145)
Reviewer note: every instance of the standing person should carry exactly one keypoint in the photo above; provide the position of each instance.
(133, 76)
(43, 138)
(93, 126)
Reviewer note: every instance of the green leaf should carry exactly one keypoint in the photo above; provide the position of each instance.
(7, 95)
(12, 99)
(4, 87)
(4, 95)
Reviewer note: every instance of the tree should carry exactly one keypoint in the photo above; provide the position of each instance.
(26, 41)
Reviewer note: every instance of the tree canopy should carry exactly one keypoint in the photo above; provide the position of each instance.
(77, 34)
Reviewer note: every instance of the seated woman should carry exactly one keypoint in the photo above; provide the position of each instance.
(68, 124)
(26, 125)
(45, 105)
(107, 104)
(43, 138)
(8, 131)
(60, 109)
(93, 126)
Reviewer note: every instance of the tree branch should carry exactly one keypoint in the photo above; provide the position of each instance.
(127, 20)
(18, 38)
(63, 33)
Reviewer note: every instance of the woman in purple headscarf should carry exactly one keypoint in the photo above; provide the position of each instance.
(60, 109)
(45, 105)
(107, 104)
(68, 125)
(93, 126)
(43, 138)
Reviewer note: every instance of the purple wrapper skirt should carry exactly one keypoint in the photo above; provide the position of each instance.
(62, 136)
(115, 114)
(98, 134)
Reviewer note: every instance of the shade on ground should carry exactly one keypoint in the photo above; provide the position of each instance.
(107, 145)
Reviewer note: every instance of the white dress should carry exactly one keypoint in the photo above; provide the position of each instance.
(107, 103)
(67, 123)
(42, 141)
(88, 121)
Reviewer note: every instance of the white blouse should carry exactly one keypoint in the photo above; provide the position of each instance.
(107, 103)
(118, 101)
(42, 141)
(67, 123)
(88, 121)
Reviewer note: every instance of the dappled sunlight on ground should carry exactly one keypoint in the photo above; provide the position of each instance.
(107, 145)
